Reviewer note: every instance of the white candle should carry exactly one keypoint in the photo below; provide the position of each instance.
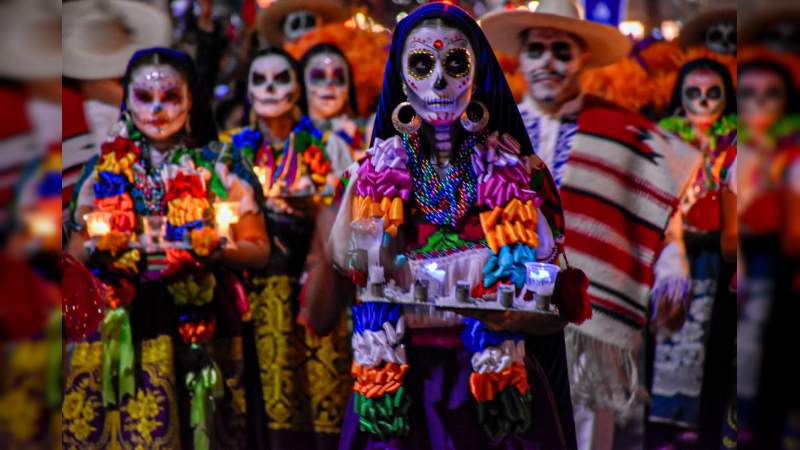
(227, 213)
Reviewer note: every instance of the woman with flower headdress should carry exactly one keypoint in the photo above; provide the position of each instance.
(161, 217)
(702, 312)
(450, 202)
(303, 377)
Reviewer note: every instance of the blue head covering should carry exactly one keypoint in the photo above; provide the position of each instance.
(201, 120)
(490, 83)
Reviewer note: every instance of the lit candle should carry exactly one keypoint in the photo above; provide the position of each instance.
(541, 277)
(98, 223)
(227, 213)
(41, 225)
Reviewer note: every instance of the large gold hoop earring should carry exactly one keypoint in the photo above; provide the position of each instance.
(475, 118)
(405, 119)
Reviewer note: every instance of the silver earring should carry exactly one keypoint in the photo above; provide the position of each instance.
(405, 119)
(475, 118)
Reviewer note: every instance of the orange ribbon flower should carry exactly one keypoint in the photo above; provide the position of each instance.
(389, 209)
(518, 225)
(486, 386)
(114, 242)
(374, 382)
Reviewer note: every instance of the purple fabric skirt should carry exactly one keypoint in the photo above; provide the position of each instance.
(444, 415)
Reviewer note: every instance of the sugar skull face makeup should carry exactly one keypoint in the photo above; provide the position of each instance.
(721, 38)
(438, 70)
(762, 99)
(298, 23)
(327, 81)
(158, 100)
(703, 97)
(272, 86)
(551, 60)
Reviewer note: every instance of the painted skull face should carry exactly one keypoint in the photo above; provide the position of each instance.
(438, 70)
(782, 36)
(327, 80)
(703, 97)
(158, 100)
(272, 86)
(762, 99)
(551, 61)
(721, 38)
(298, 23)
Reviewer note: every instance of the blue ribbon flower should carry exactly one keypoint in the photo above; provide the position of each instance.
(176, 233)
(248, 137)
(110, 184)
(372, 316)
(50, 186)
(476, 337)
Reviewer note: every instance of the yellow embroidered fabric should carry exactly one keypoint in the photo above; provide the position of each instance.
(23, 412)
(148, 420)
(305, 379)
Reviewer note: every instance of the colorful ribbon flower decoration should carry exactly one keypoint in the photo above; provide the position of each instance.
(383, 184)
(379, 365)
(499, 380)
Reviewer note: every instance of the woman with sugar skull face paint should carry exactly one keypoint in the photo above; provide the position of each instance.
(303, 377)
(693, 394)
(423, 216)
(330, 97)
(156, 186)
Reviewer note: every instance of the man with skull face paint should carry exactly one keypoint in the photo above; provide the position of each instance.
(690, 388)
(303, 377)
(449, 151)
(158, 180)
(619, 177)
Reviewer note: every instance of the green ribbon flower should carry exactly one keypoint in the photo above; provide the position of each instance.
(118, 353)
(442, 240)
(384, 416)
(205, 387)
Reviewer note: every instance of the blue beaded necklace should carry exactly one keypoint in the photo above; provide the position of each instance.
(443, 200)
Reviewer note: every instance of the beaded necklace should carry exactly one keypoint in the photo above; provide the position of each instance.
(443, 200)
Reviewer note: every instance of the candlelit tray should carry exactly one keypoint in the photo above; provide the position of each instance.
(396, 296)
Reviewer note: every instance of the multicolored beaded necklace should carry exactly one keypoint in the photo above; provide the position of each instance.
(443, 200)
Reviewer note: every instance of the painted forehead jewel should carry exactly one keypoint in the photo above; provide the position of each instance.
(438, 44)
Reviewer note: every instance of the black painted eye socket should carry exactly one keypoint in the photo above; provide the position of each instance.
(339, 78)
(258, 78)
(535, 50)
(714, 93)
(457, 62)
(715, 36)
(316, 76)
(143, 95)
(775, 93)
(420, 64)
(284, 77)
(562, 51)
(692, 93)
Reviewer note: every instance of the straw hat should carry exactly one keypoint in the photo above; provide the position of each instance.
(504, 29)
(270, 19)
(100, 36)
(30, 39)
(694, 32)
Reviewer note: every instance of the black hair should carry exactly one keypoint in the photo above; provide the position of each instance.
(676, 103)
(352, 99)
(201, 120)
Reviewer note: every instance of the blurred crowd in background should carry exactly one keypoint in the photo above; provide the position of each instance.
(61, 86)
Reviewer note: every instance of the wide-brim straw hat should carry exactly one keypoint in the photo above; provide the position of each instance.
(30, 40)
(100, 36)
(270, 19)
(694, 32)
(606, 44)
